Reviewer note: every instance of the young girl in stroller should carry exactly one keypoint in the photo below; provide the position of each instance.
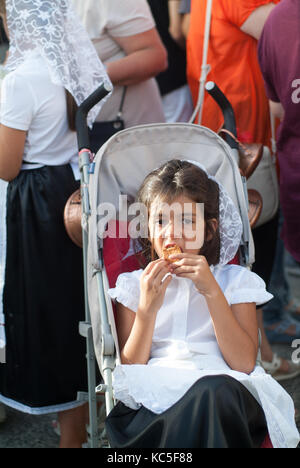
(187, 329)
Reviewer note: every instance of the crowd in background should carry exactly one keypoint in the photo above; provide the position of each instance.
(152, 51)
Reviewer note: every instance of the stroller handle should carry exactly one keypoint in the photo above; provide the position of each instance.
(82, 112)
(227, 110)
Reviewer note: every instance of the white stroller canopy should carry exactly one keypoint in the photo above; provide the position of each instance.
(129, 156)
(121, 166)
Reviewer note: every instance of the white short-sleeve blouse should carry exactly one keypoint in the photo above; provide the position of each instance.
(31, 102)
(183, 324)
(185, 349)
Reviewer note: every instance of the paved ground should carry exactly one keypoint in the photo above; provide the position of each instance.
(24, 431)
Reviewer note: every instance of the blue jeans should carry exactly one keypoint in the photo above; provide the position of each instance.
(274, 311)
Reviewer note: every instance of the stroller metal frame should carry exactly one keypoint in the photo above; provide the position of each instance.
(108, 347)
(85, 328)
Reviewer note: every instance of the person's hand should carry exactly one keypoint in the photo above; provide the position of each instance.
(195, 268)
(153, 289)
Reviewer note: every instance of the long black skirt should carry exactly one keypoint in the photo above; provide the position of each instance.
(43, 295)
(217, 412)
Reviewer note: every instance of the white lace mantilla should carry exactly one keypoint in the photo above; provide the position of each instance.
(230, 223)
(52, 28)
(3, 189)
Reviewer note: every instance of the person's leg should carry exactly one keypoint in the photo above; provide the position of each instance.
(265, 241)
(269, 254)
(274, 311)
(277, 322)
(286, 369)
(2, 413)
(292, 270)
(73, 427)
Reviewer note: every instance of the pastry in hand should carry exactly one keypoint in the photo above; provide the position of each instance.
(171, 250)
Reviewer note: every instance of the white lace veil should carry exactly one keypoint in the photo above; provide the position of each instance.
(52, 28)
(230, 223)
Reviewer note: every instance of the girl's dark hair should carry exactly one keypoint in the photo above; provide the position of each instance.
(172, 180)
(71, 110)
(3, 38)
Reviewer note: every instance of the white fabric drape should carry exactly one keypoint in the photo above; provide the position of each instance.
(230, 223)
(3, 189)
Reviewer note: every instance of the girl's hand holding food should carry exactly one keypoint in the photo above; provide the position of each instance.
(195, 268)
(153, 288)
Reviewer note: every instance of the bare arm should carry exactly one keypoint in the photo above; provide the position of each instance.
(175, 28)
(135, 331)
(186, 24)
(235, 327)
(145, 58)
(256, 21)
(277, 109)
(236, 331)
(135, 335)
(12, 144)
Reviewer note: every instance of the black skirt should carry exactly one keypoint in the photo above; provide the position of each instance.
(43, 294)
(217, 412)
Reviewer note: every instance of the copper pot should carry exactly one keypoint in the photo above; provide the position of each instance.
(72, 218)
(255, 207)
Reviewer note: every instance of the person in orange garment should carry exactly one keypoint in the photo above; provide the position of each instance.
(236, 27)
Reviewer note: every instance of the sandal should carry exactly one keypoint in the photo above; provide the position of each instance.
(278, 335)
(55, 427)
(273, 369)
(297, 416)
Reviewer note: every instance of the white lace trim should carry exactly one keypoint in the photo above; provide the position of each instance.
(230, 223)
(52, 28)
(3, 191)
(241, 296)
(231, 227)
(127, 291)
(160, 388)
(42, 410)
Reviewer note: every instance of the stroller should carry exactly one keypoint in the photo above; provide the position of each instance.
(119, 168)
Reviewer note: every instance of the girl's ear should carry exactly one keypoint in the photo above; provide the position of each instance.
(212, 226)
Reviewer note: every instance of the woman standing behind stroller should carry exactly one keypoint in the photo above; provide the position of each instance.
(43, 297)
(127, 42)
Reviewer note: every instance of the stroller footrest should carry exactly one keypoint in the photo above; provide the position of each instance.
(84, 329)
(102, 388)
(84, 396)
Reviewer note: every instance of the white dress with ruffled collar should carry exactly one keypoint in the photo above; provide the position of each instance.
(185, 349)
